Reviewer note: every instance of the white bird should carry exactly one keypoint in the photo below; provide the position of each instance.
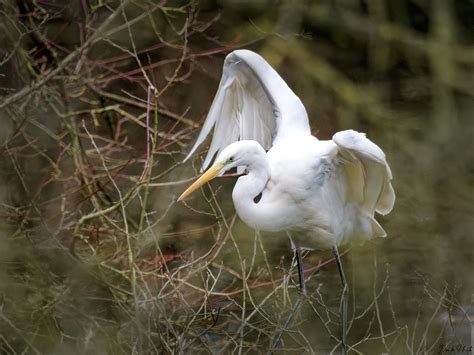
(325, 193)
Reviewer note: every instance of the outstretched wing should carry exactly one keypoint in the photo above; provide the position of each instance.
(369, 174)
(252, 102)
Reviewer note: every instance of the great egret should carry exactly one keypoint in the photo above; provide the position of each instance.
(325, 192)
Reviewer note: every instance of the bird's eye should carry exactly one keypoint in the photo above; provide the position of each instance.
(231, 159)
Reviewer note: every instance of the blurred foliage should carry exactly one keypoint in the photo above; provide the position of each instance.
(95, 255)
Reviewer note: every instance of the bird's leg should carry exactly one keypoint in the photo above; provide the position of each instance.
(345, 299)
(299, 264)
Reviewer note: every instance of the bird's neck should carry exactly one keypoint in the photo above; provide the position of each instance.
(246, 190)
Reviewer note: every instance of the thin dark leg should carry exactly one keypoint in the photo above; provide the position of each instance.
(345, 299)
(299, 263)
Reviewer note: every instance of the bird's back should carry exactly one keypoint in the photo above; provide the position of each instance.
(317, 184)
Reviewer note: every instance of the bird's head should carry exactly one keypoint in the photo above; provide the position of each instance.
(241, 153)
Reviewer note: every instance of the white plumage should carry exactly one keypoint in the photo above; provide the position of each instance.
(327, 191)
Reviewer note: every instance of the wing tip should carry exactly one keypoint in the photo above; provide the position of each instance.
(377, 230)
(191, 152)
(387, 200)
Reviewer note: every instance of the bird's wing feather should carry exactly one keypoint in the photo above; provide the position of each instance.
(252, 102)
(368, 172)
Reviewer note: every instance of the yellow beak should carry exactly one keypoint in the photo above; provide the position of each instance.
(207, 176)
